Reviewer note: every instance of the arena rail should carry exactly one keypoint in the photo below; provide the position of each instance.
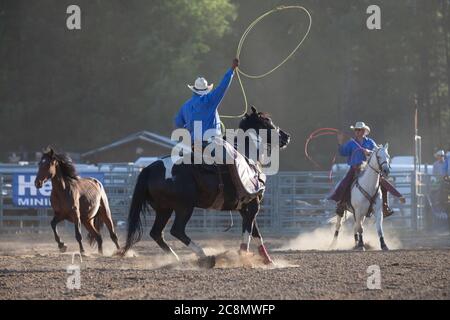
(293, 202)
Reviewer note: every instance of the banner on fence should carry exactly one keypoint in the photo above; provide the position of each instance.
(25, 194)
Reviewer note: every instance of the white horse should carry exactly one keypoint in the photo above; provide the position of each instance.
(365, 189)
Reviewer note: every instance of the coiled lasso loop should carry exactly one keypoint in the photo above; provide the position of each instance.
(239, 72)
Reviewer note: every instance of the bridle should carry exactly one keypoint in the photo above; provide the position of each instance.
(257, 139)
(380, 165)
(378, 172)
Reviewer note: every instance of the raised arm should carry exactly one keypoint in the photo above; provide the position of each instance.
(218, 93)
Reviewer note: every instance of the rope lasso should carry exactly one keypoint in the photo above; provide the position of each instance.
(328, 132)
(315, 134)
(239, 72)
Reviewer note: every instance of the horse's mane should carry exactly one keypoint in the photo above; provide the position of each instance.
(264, 115)
(67, 167)
(365, 163)
(245, 122)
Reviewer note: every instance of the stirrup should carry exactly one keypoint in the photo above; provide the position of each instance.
(387, 211)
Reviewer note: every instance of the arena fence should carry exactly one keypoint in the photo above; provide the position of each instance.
(293, 202)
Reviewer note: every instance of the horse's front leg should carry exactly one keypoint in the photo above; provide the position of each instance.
(379, 224)
(336, 232)
(77, 223)
(358, 230)
(246, 230)
(250, 229)
(56, 219)
(262, 250)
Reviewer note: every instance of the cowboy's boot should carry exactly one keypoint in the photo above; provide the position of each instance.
(386, 210)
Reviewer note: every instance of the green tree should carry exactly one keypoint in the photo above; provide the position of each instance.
(124, 71)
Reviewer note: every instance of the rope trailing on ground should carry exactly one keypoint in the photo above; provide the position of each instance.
(240, 73)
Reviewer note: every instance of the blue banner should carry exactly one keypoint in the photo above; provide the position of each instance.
(25, 193)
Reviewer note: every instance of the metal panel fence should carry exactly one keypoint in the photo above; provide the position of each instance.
(293, 202)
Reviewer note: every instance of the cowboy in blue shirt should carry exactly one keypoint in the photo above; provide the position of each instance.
(203, 105)
(440, 166)
(356, 150)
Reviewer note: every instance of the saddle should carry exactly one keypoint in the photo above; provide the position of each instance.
(248, 179)
(246, 175)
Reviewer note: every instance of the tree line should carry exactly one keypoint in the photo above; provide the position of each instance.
(126, 70)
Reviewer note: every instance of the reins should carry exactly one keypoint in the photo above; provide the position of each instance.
(378, 172)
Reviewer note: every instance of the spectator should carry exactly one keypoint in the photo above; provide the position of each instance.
(440, 166)
(447, 166)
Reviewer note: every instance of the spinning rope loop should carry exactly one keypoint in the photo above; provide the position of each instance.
(328, 132)
(239, 72)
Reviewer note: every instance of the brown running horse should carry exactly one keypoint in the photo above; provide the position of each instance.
(79, 200)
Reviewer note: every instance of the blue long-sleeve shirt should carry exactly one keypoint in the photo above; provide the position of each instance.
(204, 109)
(446, 166)
(440, 168)
(352, 150)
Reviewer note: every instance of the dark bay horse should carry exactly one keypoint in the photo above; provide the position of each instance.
(184, 188)
(78, 200)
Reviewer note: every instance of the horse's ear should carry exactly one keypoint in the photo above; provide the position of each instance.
(386, 146)
(46, 150)
(50, 151)
(253, 109)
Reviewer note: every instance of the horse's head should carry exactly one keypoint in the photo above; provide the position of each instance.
(46, 167)
(381, 155)
(262, 121)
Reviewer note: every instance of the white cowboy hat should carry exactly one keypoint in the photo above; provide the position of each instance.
(361, 125)
(440, 153)
(201, 86)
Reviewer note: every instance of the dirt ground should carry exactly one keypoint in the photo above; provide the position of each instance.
(32, 268)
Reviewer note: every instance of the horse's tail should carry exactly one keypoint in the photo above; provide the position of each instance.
(98, 223)
(139, 204)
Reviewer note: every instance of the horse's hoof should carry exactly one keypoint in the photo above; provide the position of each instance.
(263, 253)
(384, 248)
(332, 245)
(120, 253)
(83, 254)
(359, 248)
(62, 248)
(244, 253)
(207, 262)
(116, 253)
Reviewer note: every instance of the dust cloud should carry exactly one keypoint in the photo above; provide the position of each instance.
(321, 239)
